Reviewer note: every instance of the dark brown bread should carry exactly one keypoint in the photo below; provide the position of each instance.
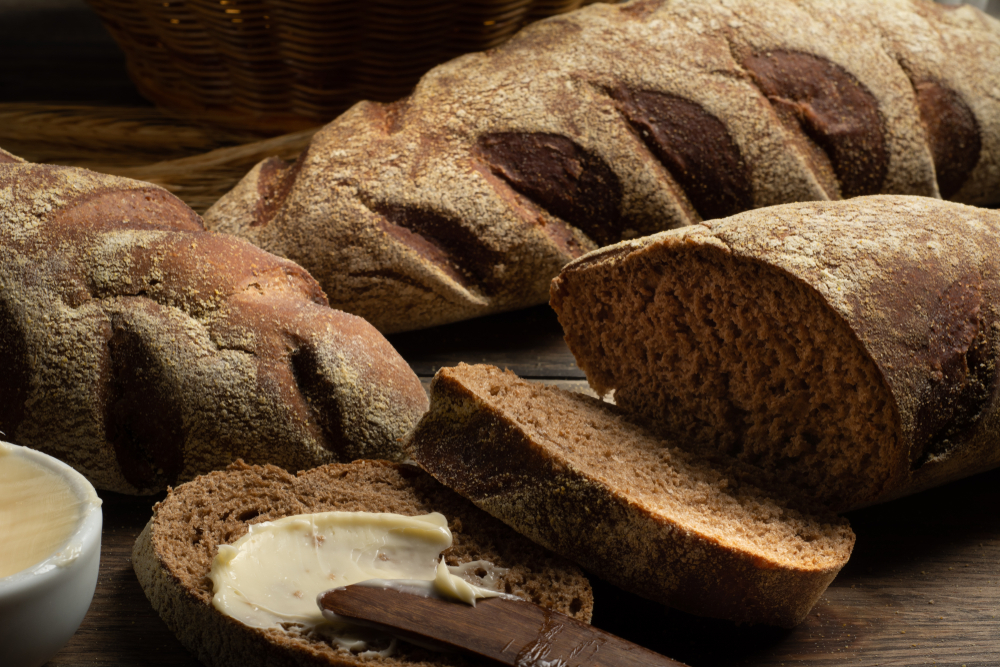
(173, 555)
(573, 474)
(851, 348)
(619, 121)
(143, 350)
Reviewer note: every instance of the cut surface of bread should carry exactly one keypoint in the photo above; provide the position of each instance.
(738, 359)
(573, 474)
(173, 555)
(848, 348)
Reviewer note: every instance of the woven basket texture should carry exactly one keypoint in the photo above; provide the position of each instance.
(197, 163)
(283, 65)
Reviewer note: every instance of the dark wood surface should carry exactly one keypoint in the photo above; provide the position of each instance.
(923, 586)
(528, 342)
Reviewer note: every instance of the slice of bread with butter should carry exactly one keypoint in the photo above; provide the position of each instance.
(230, 560)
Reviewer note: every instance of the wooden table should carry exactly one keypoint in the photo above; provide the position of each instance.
(923, 586)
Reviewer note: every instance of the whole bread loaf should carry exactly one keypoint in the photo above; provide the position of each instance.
(850, 348)
(618, 121)
(143, 350)
(573, 474)
(173, 555)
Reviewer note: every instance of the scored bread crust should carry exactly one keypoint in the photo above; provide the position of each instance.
(173, 554)
(618, 121)
(912, 283)
(571, 473)
(141, 349)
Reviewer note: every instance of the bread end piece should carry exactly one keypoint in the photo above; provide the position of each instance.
(572, 474)
(850, 348)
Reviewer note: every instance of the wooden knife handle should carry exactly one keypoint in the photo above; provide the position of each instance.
(512, 632)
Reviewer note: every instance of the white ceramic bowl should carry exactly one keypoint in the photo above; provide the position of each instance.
(42, 606)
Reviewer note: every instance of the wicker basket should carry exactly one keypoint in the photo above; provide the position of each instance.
(282, 65)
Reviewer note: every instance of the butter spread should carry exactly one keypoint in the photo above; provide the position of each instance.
(271, 576)
(444, 585)
(40, 510)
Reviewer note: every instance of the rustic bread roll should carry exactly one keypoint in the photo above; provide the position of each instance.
(851, 348)
(618, 121)
(173, 555)
(571, 473)
(143, 350)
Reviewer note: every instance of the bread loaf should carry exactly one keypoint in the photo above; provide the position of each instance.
(573, 474)
(173, 555)
(850, 348)
(618, 121)
(143, 350)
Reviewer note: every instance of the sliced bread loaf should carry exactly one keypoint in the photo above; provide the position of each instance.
(573, 474)
(173, 555)
(849, 348)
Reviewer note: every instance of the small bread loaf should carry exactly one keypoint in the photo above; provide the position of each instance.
(173, 555)
(143, 350)
(571, 473)
(851, 348)
(619, 121)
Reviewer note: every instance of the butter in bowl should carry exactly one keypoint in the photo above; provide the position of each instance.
(50, 548)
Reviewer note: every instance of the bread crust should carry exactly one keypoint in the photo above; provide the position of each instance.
(143, 350)
(8, 157)
(479, 446)
(618, 121)
(915, 281)
(173, 554)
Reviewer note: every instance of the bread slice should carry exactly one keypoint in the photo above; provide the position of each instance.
(852, 348)
(573, 474)
(173, 555)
